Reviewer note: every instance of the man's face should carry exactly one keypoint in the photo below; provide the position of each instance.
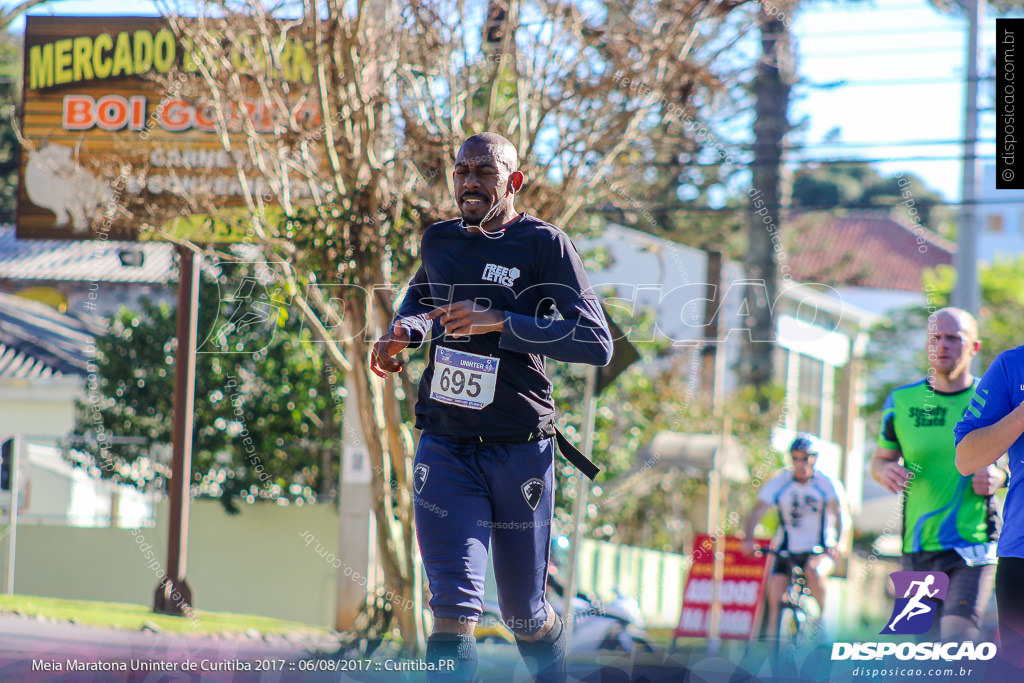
(481, 181)
(950, 347)
(803, 464)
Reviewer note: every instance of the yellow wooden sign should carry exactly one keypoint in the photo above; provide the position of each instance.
(122, 137)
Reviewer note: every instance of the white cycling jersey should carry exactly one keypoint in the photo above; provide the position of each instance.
(806, 520)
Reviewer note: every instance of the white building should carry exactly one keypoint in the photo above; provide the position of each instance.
(89, 277)
(54, 492)
(820, 337)
(44, 361)
(1000, 219)
(876, 263)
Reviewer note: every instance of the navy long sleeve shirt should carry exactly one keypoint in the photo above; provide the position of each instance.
(494, 385)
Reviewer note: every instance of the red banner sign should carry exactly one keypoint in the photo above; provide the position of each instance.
(740, 594)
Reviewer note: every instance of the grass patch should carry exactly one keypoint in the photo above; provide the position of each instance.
(134, 617)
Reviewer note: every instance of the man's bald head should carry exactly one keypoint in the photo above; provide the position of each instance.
(952, 343)
(486, 179)
(963, 320)
(499, 147)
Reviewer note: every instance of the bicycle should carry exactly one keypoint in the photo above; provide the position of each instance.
(797, 609)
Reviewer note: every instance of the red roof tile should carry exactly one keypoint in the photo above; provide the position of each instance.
(864, 251)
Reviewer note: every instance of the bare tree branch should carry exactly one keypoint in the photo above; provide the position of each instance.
(8, 16)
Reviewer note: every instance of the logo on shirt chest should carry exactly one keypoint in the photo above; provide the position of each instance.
(800, 505)
(933, 416)
(500, 274)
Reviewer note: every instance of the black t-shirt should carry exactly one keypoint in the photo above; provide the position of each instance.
(533, 273)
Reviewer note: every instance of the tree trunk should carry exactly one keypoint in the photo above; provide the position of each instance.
(771, 89)
(391, 458)
(328, 434)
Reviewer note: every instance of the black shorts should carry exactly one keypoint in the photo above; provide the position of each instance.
(784, 565)
(969, 587)
(1010, 599)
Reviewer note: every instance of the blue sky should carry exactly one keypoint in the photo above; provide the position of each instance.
(901, 62)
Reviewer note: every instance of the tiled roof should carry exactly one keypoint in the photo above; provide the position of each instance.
(38, 342)
(865, 251)
(81, 260)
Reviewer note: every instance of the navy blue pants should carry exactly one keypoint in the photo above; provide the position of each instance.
(470, 495)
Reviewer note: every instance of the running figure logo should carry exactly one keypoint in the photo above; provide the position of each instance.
(914, 612)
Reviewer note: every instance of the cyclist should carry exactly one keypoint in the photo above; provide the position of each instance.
(813, 515)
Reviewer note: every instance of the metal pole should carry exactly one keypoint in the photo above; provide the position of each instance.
(582, 487)
(966, 295)
(12, 542)
(711, 349)
(715, 505)
(173, 594)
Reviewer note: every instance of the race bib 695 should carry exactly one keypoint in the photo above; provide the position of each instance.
(463, 379)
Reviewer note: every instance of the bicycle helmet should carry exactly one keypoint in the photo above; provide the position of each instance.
(805, 443)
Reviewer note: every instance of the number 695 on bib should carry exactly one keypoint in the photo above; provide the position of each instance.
(463, 379)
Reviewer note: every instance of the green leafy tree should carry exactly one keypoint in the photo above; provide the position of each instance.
(1002, 302)
(10, 97)
(10, 89)
(898, 353)
(859, 186)
(267, 406)
(657, 393)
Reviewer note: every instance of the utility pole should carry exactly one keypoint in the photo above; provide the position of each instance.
(712, 345)
(772, 83)
(173, 594)
(966, 294)
(580, 504)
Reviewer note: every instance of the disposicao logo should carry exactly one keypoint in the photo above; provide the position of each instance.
(917, 599)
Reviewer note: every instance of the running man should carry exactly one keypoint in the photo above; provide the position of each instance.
(497, 292)
(949, 521)
(914, 606)
(813, 515)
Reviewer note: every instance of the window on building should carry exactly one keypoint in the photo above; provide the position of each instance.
(840, 408)
(994, 222)
(809, 389)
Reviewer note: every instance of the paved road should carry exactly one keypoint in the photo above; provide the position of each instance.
(33, 651)
(36, 651)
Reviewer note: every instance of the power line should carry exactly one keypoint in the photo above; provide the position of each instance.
(871, 7)
(852, 145)
(842, 83)
(842, 144)
(885, 32)
(876, 53)
(682, 208)
(821, 162)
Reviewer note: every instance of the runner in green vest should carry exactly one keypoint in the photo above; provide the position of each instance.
(950, 522)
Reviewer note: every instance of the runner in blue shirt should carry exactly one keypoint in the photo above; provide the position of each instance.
(497, 292)
(993, 425)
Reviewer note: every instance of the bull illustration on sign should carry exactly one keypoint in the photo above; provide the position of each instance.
(54, 181)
